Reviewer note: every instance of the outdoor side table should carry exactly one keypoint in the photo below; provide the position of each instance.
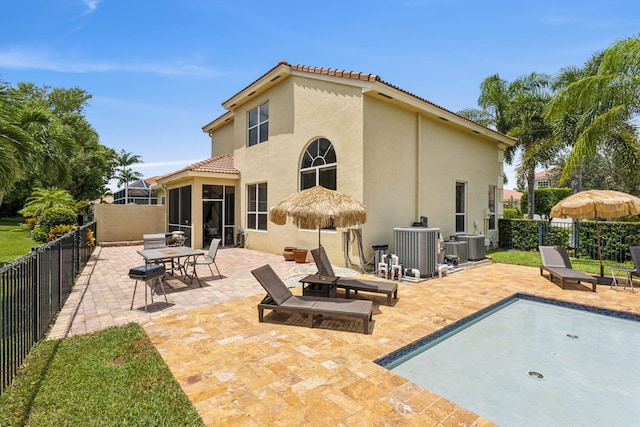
(622, 270)
(319, 286)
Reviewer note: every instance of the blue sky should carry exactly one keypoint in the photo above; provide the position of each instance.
(159, 70)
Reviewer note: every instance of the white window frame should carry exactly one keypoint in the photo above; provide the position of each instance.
(463, 213)
(259, 125)
(257, 212)
(492, 208)
(318, 161)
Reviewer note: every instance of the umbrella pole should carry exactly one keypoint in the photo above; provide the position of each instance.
(599, 248)
(319, 245)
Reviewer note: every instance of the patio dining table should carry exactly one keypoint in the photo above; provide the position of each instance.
(173, 254)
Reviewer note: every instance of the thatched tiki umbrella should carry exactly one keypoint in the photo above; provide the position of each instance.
(594, 204)
(315, 207)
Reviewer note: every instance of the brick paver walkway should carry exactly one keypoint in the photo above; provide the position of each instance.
(237, 371)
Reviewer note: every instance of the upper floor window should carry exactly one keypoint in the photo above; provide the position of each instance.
(258, 125)
(318, 166)
(257, 212)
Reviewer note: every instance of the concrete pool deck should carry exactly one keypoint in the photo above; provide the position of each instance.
(237, 371)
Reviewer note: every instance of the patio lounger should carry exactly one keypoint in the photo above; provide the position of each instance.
(349, 284)
(635, 257)
(555, 261)
(280, 298)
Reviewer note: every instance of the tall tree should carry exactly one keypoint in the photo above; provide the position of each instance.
(18, 148)
(515, 108)
(606, 99)
(124, 174)
(64, 151)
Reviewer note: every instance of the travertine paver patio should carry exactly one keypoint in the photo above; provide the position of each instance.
(237, 371)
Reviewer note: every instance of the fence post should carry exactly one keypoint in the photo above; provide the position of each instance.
(35, 277)
(576, 239)
(540, 234)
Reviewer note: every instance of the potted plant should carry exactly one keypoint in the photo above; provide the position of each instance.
(300, 255)
(288, 253)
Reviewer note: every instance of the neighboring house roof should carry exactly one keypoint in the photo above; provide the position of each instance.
(508, 194)
(220, 164)
(541, 175)
(370, 82)
(152, 180)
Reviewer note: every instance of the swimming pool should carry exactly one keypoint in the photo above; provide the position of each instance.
(528, 361)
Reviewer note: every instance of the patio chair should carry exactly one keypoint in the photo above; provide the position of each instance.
(351, 284)
(159, 241)
(207, 260)
(280, 298)
(555, 261)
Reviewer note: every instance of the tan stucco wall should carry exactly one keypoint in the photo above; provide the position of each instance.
(412, 164)
(118, 223)
(319, 109)
(222, 141)
(402, 163)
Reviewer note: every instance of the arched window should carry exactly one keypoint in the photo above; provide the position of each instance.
(318, 165)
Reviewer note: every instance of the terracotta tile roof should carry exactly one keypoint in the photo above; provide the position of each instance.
(222, 163)
(507, 194)
(356, 75)
(333, 72)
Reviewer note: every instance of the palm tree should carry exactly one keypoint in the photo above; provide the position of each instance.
(16, 145)
(516, 109)
(605, 97)
(42, 199)
(124, 174)
(495, 97)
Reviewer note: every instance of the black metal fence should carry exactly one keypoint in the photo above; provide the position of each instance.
(33, 289)
(580, 236)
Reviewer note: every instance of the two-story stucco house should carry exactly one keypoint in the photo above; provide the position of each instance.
(297, 126)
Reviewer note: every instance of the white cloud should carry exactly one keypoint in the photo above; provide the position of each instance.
(92, 5)
(39, 59)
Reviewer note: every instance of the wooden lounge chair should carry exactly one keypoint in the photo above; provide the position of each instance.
(635, 257)
(555, 261)
(351, 284)
(280, 298)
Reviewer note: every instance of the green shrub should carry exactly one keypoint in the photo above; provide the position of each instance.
(59, 230)
(512, 213)
(50, 219)
(558, 236)
(545, 199)
(615, 239)
(56, 216)
(39, 234)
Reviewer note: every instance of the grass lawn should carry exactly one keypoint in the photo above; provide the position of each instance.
(532, 259)
(112, 377)
(15, 241)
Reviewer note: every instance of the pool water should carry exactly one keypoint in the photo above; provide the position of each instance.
(530, 363)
